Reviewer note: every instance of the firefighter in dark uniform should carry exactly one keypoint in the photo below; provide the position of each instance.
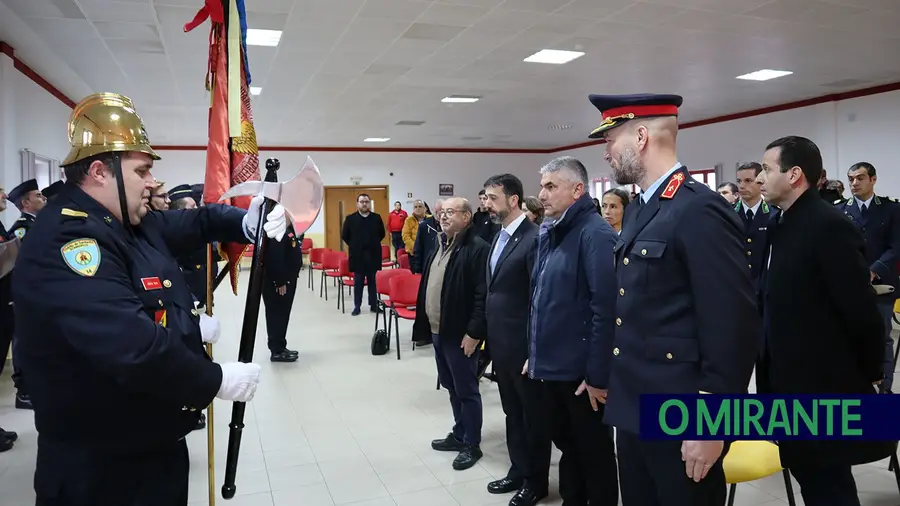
(51, 191)
(878, 219)
(7, 437)
(283, 261)
(686, 316)
(193, 263)
(110, 337)
(754, 213)
(29, 200)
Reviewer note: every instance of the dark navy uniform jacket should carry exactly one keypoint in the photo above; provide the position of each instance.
(193, 265)
(21, 226)
(881, 228)
(109, 335)
(755, 233)
(283, 259)
(686, 314)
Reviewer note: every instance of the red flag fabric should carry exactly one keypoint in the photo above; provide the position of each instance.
(229, 161)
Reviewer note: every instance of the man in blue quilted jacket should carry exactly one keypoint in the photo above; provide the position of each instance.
(573, 302)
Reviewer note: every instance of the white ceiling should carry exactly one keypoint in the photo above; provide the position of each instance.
(350, 69)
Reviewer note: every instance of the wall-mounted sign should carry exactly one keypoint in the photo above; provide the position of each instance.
(445, 190)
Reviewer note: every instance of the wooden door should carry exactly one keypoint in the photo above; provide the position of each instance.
(340, 201)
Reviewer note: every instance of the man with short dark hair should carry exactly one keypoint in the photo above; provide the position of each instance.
(754, 213)
(506, 310)
(878, 219)
(481, 220)
(573, 297)
(363, 232)
(450, 313)
(729, 191)
(816, 259)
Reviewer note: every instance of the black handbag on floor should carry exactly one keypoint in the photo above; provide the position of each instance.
(381, 343)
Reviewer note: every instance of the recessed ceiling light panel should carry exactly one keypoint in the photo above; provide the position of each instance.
(764, 75)
(376, 139)
(553, 56)
(460, 99)
(255, 90)
(257, 37)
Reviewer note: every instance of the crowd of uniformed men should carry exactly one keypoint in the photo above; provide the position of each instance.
(673, 291)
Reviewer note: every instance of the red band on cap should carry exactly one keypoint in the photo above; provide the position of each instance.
(642, 111)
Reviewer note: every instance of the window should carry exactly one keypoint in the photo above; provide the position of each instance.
(604, 184)
(705, 176)
(45, 170)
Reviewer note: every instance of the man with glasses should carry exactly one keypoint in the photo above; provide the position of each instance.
(159, 199)
(363, 232)
(451, 314)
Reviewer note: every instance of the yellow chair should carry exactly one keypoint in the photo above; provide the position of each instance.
(753, 460)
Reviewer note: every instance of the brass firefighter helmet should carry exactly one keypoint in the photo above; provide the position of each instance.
(105, 123)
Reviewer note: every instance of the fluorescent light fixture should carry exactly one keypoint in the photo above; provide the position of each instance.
(764, 75)
(460, 99)
(255, 90)
(553, 56)
(377, 139)
(257, 37)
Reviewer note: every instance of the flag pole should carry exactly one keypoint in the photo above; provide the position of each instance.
(210, 419)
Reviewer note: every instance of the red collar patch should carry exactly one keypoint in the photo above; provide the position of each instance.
(675, 183)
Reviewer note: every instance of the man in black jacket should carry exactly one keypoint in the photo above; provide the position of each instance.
(506, 311)
(363, 232)
(815, 260)
(481, 221)
(450, 309)
(283, 261)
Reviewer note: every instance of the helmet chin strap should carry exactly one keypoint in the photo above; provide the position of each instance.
(120, 183)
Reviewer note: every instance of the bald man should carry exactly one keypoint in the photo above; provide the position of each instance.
(686, 312)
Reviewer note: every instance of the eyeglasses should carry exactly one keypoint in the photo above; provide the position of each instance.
(449, 212)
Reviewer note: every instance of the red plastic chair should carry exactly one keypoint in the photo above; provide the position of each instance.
(331, 264)
(403, 260)
(306, 246)
(315, 263)
(386, 256)
(345, 280)
(404, 294)
(383, 291)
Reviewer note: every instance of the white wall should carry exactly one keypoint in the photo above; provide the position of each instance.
(416, 173)
(849, 131)
(39, 121)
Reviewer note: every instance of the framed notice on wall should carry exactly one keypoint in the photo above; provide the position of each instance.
(445, 190)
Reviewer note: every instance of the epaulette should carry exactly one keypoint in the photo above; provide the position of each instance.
(21, 218)
(838, 201)
(73, 213)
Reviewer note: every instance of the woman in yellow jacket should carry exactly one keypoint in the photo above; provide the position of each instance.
(411, 225)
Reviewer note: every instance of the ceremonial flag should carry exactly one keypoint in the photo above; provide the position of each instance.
(232, 155)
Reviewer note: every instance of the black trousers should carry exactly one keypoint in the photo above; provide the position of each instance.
(459, 375)
(359, 281)
(587, 468)
(397, 241)
(78, 475)
(528, 437)
(826, 486)
(653, 474)
(278, 313)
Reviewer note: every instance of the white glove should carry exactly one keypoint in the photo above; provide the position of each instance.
(276, 222)
(239, 381)
(210, 328)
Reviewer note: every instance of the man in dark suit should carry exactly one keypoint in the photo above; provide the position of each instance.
(755, 214)
(506, 309)
(878, 218)
(686, 315)
(816, 260)
(363, 232)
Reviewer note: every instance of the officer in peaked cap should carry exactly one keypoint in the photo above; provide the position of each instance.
(29, 201)
(112, 412)
(181, 191)
(197, 193)
(51, 191)
(686, 315)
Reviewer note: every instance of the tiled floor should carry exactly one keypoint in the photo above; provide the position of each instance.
(341, 426)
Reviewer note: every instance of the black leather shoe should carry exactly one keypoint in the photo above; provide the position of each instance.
(23, 401)
(467, 458)
(448, 444)
(6, 444)
(292, 352)
(527, 496)
(504, 486)
(284, 356)
(8, 434)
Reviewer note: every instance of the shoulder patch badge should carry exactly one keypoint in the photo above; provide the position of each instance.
(20, 233)
(82, 256)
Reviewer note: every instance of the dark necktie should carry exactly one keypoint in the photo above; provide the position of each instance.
(864, 211)
(749, 214)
